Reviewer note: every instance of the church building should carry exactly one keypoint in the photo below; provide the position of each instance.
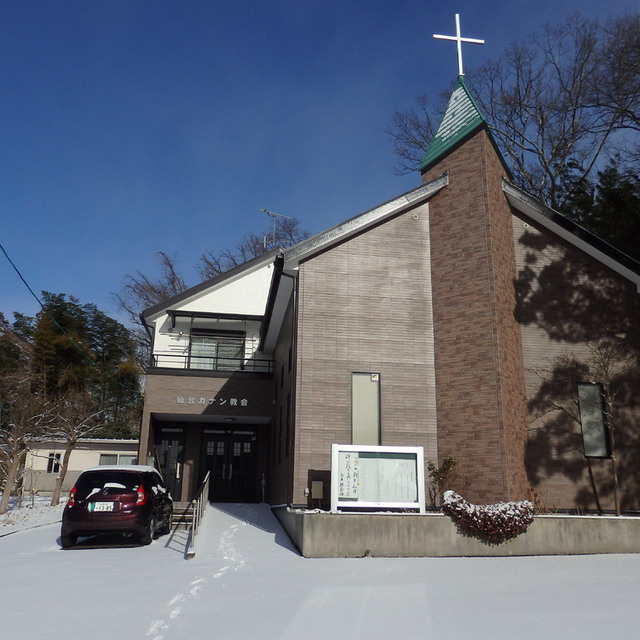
(463, 316)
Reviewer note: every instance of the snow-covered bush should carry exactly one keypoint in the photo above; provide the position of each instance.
(490, 523)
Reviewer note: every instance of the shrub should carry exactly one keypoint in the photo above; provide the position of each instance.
(492, 524)
(440, 478)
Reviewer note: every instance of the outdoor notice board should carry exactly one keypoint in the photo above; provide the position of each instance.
(375, 477)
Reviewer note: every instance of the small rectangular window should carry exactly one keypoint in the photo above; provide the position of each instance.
(53, 463)
(108, 458)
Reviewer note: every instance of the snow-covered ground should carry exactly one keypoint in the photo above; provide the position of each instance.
(247, 581)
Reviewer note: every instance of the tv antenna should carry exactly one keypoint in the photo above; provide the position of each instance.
(275, 216)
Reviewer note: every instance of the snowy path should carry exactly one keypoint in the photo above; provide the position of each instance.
(248, 582)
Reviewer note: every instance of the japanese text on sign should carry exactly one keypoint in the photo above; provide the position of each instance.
(210, 401)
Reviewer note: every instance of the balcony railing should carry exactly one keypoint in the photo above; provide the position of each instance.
(209, 363)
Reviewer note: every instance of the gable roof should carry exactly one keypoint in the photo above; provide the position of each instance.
(461, 118)
(363, 221)
(286, 266)
(573, 233)
(207, 285)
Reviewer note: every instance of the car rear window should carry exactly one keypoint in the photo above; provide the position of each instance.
(122, 480)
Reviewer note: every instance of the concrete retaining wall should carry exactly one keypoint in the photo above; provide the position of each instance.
(329, 535)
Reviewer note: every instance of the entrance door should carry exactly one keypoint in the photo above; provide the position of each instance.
(170, 450)
(230, 456)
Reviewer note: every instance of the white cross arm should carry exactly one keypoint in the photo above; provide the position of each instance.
(471, 40)
(458, 39)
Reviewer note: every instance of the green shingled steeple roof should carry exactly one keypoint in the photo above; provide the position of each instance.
(461, 118)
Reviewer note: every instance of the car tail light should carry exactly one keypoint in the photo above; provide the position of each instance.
(72, 496)
(142, 496)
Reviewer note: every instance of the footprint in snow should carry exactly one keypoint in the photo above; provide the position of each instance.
(157, 626)
(221, 572)
(195, 586)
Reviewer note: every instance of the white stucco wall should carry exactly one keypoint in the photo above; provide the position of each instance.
(85, 455)
(245, 294)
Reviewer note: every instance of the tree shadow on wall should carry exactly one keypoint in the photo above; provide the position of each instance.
(571, 297)
(590, 316)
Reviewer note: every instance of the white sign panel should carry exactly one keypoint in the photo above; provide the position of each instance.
(377, 477)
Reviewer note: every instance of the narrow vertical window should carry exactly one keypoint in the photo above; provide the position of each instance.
(365, 408)
(595, 436)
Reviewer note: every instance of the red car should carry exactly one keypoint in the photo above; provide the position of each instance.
(131, 500)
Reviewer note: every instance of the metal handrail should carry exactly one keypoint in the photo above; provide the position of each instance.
(199, 503)
(208, 363)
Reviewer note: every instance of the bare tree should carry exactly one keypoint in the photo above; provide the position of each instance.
(26, 415)
(543, 107)
(140, 291)
(619, 89)
(608, 360)
(75, 418)
(285, 233)
(412, 130)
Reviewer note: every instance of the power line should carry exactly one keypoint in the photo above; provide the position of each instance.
(71, 341)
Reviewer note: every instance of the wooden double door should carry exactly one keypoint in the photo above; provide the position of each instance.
(230, 457)
(170, 452)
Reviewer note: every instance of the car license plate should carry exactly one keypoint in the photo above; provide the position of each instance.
(101, 506)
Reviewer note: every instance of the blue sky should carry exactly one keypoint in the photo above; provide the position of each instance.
(129, 127)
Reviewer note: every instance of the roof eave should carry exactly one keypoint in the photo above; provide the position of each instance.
(161, 307)
(363, 221)
(573, 233)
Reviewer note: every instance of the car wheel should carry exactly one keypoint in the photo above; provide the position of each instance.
(166, 527)
(68, 541)
(147, 536)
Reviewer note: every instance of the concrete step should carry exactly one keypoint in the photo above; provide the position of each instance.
(182, 515)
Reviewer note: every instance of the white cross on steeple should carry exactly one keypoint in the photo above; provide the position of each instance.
(459, 40)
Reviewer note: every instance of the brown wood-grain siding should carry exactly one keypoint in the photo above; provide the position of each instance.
(569, 303)
(364, 306)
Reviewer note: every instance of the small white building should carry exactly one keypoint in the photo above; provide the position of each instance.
(44, 459)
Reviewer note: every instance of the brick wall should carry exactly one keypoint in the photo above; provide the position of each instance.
(479, 369)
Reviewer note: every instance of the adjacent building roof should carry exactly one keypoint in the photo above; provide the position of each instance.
(207, 285)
